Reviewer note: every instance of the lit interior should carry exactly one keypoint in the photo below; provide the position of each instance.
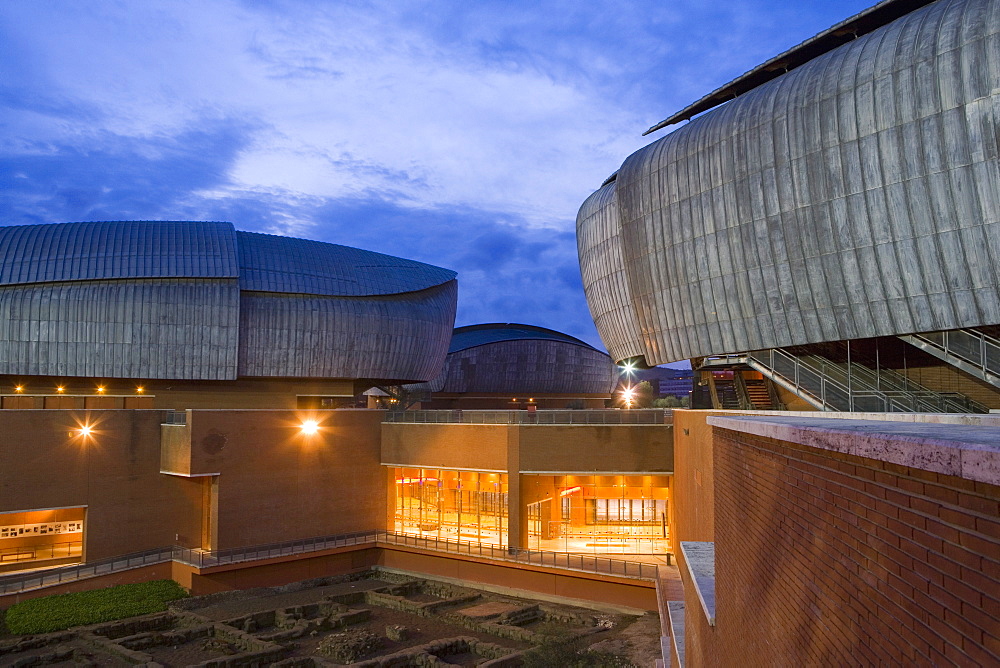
(466, 506)
(598, 514)
(31, 537)
(578, 514)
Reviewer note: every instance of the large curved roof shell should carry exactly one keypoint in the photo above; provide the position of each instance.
(857, 195)
(98, 251)
(270, 263)
(191, 300)
(516, 359)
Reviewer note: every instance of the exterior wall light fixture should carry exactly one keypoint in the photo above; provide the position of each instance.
(309, 427)
(84, 431)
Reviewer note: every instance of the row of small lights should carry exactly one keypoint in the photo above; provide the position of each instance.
(308, 428)
(60, 389)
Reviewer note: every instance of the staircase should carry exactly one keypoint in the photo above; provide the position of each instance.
(759, 394)
(725, 391)
(851, 386)
(971, 350)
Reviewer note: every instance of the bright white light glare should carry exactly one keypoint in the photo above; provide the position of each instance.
(628, 394)
(310, 427)
(628, 368)
(86, 430)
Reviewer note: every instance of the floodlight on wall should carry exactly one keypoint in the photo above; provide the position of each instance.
(84, 431)
(140, 389)
(100, 389)
(60, 389)
(19, 388)
(309, 427)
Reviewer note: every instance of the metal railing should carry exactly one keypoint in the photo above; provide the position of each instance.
(40, 552)
(589, 563)
(209, 559)
(854, 387)
(604, 416)
(811, 384)
(976, 352)
(16, 583)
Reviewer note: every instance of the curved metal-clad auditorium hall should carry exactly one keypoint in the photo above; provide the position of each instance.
(857, 195)
(197, 300)
(509, 358)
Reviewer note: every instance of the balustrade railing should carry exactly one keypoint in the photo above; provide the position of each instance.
(603, 416)
(590, 563)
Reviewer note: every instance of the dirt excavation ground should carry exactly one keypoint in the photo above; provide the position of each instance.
(373, 619)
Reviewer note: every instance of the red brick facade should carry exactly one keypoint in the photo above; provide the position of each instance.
(824, 558)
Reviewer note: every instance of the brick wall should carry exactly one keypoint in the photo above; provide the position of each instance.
(836, 559)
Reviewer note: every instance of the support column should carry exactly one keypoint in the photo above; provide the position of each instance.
(517, 509)
(390, 498)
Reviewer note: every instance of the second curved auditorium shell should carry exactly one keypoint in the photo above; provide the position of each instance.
(853, 196)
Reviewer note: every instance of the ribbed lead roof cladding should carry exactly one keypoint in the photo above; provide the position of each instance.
(271, 263)
(115, 250)
(471, 336)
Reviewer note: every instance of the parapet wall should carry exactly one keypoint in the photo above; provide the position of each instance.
(830, 557)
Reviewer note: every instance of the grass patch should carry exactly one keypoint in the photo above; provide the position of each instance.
(61, 611)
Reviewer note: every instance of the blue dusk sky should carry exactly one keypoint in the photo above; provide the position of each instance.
(462, 134)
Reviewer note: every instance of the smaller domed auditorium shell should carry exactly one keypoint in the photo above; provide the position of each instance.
(197, 300)
(523, 360)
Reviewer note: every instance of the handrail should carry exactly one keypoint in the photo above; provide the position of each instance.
(828, 381)
(590, 563)
(943, 341)
(538, 417)
(16, 583)
(742, 396)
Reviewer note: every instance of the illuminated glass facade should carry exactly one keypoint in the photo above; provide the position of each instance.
(467, 506)
(566, 513)
(599, 514)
